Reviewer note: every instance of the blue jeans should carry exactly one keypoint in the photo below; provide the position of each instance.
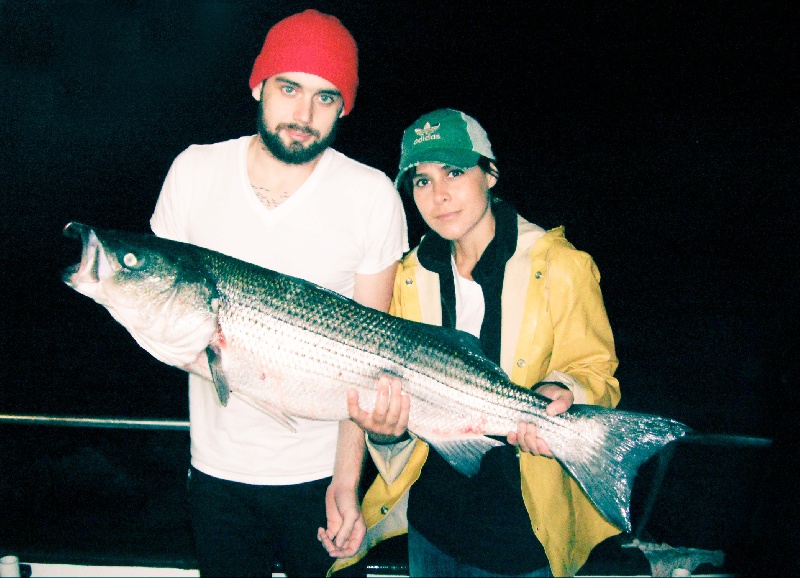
(425, 559)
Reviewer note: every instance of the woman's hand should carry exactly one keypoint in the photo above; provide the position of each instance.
(527, 434)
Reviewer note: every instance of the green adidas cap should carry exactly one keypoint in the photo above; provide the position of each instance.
(444, 136)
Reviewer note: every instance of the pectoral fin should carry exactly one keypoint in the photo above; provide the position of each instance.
(225, 391)
(218, 375)
(464, 454)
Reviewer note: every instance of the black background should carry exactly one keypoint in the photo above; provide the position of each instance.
(662, 134)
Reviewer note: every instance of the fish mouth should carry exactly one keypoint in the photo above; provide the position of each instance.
(88, 270)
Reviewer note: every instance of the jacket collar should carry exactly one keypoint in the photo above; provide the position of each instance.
(434, 252)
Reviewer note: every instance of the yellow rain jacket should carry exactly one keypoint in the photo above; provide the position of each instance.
(553, 320)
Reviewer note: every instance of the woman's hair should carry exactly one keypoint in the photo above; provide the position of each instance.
(406, 186)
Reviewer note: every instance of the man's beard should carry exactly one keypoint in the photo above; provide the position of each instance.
(295, 153)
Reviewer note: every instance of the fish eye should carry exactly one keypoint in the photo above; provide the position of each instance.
(130, 260)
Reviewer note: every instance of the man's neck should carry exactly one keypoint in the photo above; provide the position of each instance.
(274, 181)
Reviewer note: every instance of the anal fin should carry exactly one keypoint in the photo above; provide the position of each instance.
(464, 454)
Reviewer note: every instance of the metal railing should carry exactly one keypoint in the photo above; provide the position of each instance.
(374, 567)
(395, 568)
(103, 422)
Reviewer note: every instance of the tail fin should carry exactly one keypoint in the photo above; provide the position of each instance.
(615, 444)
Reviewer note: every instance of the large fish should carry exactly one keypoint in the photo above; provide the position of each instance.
(293, 349)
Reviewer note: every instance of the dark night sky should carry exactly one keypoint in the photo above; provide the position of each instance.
(663, 135)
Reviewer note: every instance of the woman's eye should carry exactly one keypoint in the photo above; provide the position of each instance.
(420, 183)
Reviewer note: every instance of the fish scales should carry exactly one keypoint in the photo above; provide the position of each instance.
(292, 349)
(318, 321)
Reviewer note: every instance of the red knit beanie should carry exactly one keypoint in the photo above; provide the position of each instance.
(314, 43)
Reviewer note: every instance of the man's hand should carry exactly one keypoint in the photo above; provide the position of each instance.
(526, 436)
(389, 420)
(346, 528)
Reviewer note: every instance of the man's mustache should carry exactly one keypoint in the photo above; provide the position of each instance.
(299, 128)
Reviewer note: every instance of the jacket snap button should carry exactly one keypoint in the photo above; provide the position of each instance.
(409, 281)
(384, 510)
(538, 275)
(520, 363)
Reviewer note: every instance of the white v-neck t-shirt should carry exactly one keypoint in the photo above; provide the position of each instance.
(345, 219)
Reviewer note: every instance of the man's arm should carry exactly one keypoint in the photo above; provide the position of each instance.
(346, 528)
(376, 290)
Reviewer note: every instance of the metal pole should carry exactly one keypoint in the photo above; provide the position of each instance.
(107, 422)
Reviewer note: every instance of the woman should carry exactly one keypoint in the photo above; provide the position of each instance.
(534, 302)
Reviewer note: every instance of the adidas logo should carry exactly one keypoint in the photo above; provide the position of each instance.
(427, 133)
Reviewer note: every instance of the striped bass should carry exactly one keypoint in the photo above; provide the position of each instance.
(292, 349)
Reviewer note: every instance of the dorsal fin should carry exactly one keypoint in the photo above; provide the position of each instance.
(466, 343)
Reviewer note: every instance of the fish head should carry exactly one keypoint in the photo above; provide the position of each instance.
(156, 288)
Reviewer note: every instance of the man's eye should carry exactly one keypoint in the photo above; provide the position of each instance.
(326, 99)
(288, 89)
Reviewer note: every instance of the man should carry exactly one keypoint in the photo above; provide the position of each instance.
(284, 200)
